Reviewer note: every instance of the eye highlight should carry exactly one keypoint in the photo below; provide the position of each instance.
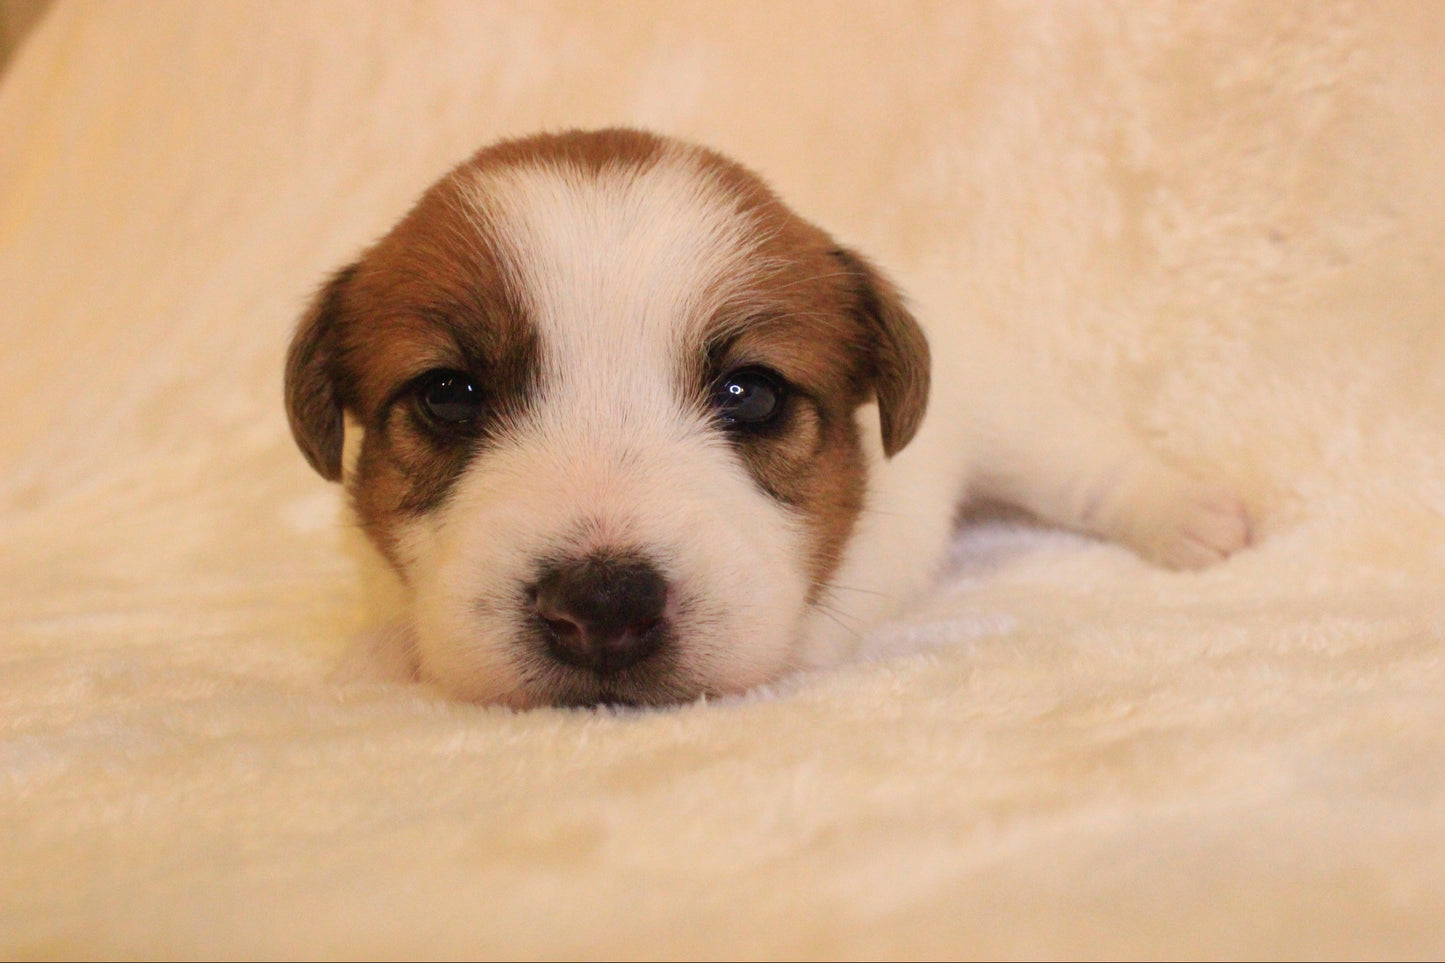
(448, 398)
(749, 397)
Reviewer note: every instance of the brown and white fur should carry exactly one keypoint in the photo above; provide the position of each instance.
(541, 358)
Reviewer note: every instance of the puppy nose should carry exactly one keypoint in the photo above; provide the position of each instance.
(602, 614)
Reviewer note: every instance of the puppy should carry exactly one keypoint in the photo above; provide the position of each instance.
(632, 431)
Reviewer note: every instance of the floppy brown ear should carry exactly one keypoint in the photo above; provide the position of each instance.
(312, 402)
(900, 354)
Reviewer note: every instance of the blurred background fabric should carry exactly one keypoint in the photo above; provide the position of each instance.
(17, 17)
(1220, 222)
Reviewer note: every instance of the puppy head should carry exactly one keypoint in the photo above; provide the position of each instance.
(607, 386)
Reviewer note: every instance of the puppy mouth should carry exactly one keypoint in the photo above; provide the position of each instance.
(657, 683)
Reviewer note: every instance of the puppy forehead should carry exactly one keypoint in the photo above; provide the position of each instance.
(633, 256)
(594, 260)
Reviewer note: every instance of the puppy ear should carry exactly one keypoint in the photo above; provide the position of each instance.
(313, 404)
(900, 353)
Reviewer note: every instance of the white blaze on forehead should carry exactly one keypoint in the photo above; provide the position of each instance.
(616, 268)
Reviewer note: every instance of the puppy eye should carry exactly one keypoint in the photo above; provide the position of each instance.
(749, 397)
(449, 397)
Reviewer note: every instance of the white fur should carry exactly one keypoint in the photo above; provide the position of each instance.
(994, 432)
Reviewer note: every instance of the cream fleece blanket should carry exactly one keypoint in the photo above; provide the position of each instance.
(1223, 222)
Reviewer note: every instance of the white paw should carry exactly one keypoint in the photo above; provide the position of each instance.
(1180, 523)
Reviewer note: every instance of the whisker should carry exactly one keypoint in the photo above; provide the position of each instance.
(860, 590)
(854, 630)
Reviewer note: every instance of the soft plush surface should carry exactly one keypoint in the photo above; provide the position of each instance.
(1222, 222)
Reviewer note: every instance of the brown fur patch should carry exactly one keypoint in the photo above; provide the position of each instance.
(590, 152)
(839, 334)
(430, 295)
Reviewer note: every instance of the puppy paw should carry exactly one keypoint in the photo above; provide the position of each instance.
(1181, 523)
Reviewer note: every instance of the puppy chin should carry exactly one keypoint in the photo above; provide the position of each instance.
(726, 555)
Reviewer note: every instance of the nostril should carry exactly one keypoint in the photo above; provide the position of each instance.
(551, 606)
(564, 628)
(601, 613)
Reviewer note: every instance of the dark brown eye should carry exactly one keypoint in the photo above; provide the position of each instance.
(749, 397)
(449, 397)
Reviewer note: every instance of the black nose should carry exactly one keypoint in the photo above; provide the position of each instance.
(602, 613)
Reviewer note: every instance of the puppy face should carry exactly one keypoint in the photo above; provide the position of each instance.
(607, 384)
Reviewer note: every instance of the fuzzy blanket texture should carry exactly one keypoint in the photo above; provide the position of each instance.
(1223, 222)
